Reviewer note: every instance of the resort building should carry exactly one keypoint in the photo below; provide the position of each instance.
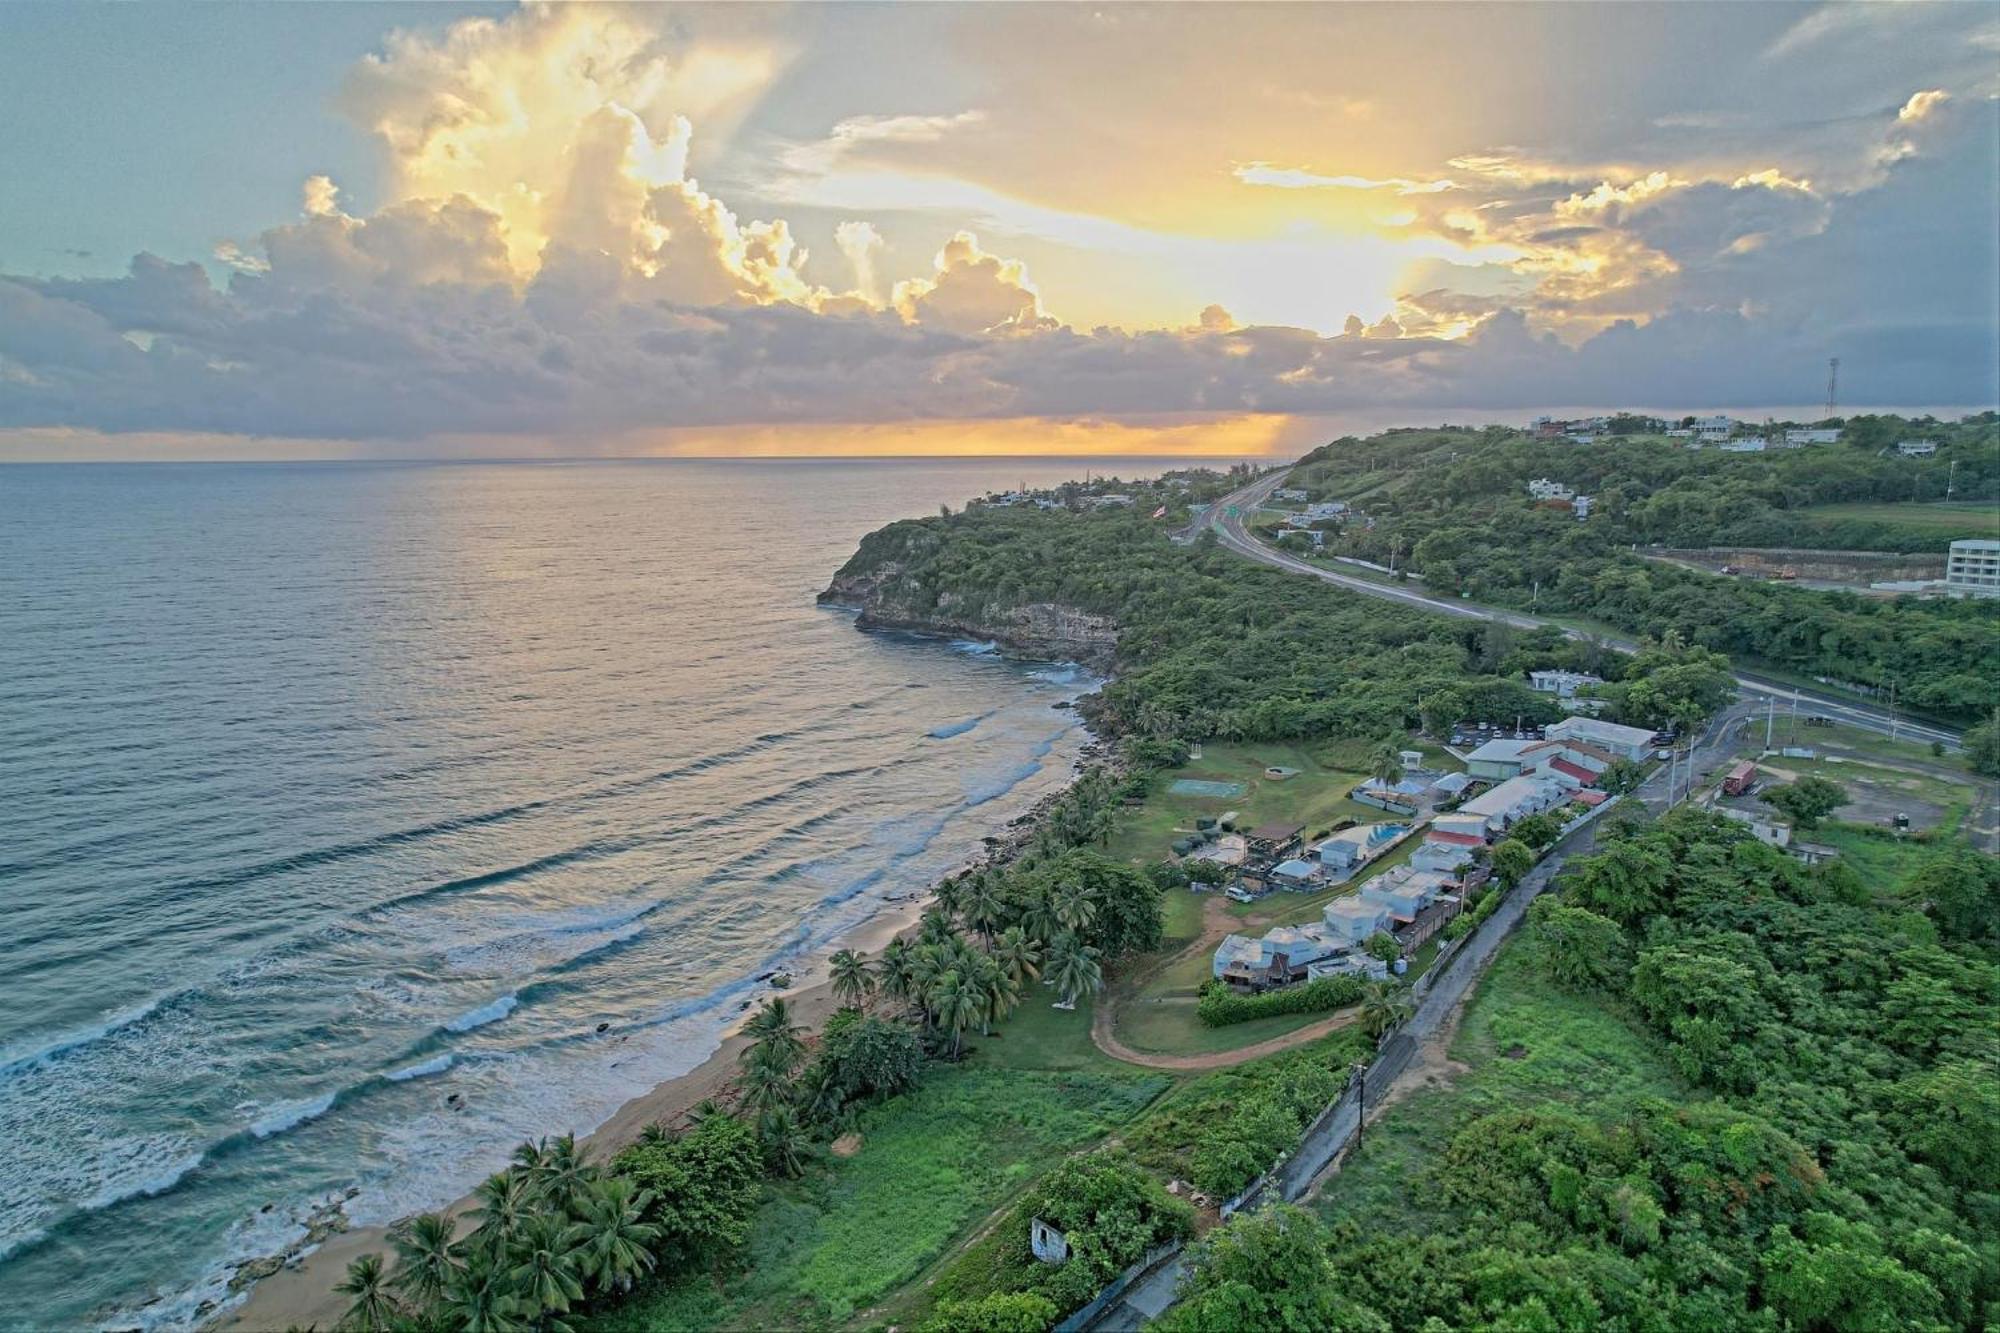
(1973, 568)
(1751, 445)
(1620, 741)
(1514, 800)
(1278, 959)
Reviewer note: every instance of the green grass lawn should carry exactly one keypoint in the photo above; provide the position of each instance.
(1962, 518)
(1851, 741)
(1316, 796)
(932, 1163)
(1524, 1043)
(1167, 1024)
(1039, 1036)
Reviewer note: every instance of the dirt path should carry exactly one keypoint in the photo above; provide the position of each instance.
(1215, 924)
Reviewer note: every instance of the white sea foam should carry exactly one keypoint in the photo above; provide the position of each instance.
(484, 1014)
(422, 1069)
(286, 1115)
(123, 1018)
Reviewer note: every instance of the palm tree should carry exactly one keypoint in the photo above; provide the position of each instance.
(1018, 954)
(1074, 970)
(981, 907)
(424, 1263)
(505, 1201)
(1382, 1007)
(773, 1030)
(1075, 906)
(818, 1094)
(957, 1007)
(372, 1307)
(785, 1140)
(946, 895)
(1386, 765)
(566, 1173)
(999, 992)
(1040, 919)
(481, 1298)
(892, 972)
(614, 1242)
(545, 1269)
(767, 1084)
(851, 978)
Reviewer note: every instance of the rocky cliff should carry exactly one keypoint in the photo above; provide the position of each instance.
(887, 600)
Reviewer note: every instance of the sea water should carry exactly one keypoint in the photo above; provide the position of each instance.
(331, 792)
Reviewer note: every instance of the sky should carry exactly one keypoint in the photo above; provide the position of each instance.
(321, 230)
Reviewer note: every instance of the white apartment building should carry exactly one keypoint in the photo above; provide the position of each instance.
(1713, 428)
(1916, 448)
(1973, 568)
(1753, 445)
(1541, 488)
(1798, 436)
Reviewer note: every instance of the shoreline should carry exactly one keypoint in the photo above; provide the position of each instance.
(298, 1291)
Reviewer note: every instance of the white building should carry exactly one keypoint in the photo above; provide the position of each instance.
(1352, 919)
(1541, 488)
(1326, 509)
(1288, 493)
(1973, 568)
(1753, 445)
(1562, 684)
(1581, 506)
(1515, 799)
(1713, 428)
(1625, 742)
(1916, 448)
(1798, 436)
(1680, 433)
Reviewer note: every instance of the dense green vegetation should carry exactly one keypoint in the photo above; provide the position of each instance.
(1214, 645)
(1834, 1167)
(1220, 1132)
(1452, 506)
(1220, 1006)
(1109, 1211)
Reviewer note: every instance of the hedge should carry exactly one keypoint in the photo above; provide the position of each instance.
(1219, 1006)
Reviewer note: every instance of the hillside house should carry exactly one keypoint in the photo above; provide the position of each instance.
(1916, 448)
(1801, 435)
(1541, 488)
(1348, 921)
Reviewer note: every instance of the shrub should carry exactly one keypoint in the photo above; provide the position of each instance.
(1219, 1006)
(995, 1312)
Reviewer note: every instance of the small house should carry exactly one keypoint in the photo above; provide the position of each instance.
(1350, 847)
(1354, 919)
(1297, 875)
(1274, 842)
(1499, 759)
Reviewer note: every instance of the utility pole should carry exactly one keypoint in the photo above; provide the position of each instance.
(1895, 720)
(1832, 385)
(1770, 717)
(1360, 1101)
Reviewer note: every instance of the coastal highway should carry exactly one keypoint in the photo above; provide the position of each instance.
(1230, 531)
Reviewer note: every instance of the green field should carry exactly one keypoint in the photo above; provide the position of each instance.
(1522, 1043)
(1957, 519)
(931, 1164)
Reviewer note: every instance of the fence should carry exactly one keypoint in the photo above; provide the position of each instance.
(1105, 1299)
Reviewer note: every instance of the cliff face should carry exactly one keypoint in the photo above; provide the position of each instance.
(887, 600)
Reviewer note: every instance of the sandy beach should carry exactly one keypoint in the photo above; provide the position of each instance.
(300, 1295)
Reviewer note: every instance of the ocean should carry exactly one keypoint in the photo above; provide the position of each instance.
(332, 791)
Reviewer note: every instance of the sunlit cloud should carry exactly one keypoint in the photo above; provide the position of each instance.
(1295, 178)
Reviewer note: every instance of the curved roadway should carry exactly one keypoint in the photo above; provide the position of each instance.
(1229, 530)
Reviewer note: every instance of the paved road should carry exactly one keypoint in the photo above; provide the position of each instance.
(1232, 534)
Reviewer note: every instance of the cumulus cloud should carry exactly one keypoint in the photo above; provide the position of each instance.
(972, 292)
(862, 245)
